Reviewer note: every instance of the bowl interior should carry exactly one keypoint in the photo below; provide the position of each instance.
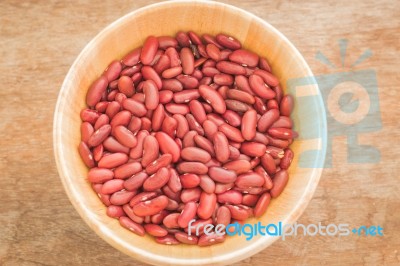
(167, 19)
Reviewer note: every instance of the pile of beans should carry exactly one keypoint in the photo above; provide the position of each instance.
(187, 128)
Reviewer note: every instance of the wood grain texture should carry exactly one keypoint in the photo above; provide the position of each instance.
(39, 41)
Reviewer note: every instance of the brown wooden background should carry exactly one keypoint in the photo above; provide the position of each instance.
(39, 41)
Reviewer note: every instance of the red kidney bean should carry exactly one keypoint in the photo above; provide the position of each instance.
(162, 64)
(112, 145)
(259, 87)
(136, 108)
(186, 96)
(175, 108)
(223, 79)
(281, 133)
(135, 181)
(213, 52)
(150, 150)
(98, 152)
(250, 200)
(131, 225)
(228, 67)
(86, 155)
(228, 42)
(249, 180)
(150, 74)
(112, 109)
(188, 82)
(283, 121)
(194, 125)
(122, 118)
(167, 240)
(157, 180)
(190, 194)
(101, 121)
(221, 147)
(238, 166)
(167, 41)
(244, 57)
(192, 167)
(231, 132)
(286, 105)
(168, 145)
(187, 60)
(275, 152)
(174, 182)
(155, 230)
(210, 128)
(188, 139)
(122, 197)
(262, 204)
(183, 39)
(89, 115)
(112, 186)
(232, 118)
(268, 78)
(115, 211)
(162, 161)
(165, 96)
(203, 143)
(230, 197)
(253, 149)
(186, 239)
(182, 126)
(132, 58)
(213, 98)
(172, 72)
(236, 106)
(242, 96)
(125, 136)
(113, 70)
(238, 212)
(188, 213)
(249, 124)
(171, 220)
(128, 211)
(127, 170)
(280, 180)
(197, 110)
(206, 205)
(221, 188)
(99, 135)
(268, 184)
(195, 154)
(268, 163)
(150, 91)
(149, 50)
(222, 175)
(286, 159)
(113, 160)
(189, 180)
(207, 184)
(126, 86)
(150, 207)
(169, 126)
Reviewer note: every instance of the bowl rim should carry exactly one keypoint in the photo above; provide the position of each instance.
(140, 253)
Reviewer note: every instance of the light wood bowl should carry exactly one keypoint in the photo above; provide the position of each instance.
(168, 18)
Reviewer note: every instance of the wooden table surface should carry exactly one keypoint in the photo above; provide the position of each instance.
(40, 40)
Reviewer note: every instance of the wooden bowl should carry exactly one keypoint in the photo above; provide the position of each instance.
(168, 18)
